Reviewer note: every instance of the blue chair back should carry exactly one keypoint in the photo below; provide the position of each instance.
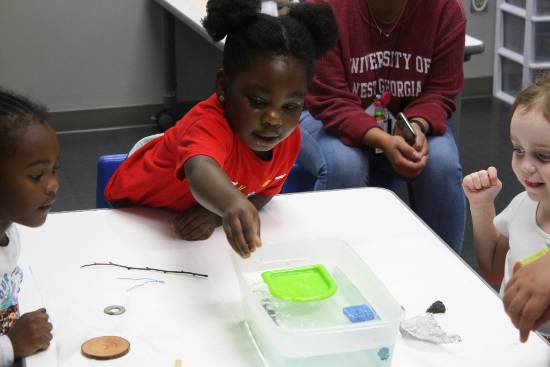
(106, 166)
(298, 180)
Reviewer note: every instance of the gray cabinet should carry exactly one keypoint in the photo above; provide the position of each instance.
(522, 45)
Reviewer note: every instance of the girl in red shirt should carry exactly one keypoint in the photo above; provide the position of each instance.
(232, 152)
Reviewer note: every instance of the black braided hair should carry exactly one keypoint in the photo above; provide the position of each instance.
(306, 33)
(16, 113)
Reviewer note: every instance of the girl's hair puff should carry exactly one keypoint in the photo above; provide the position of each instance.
(16, 113)
(305, 33)
(536, 95)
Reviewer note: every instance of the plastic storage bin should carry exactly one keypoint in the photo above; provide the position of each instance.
(318, 333)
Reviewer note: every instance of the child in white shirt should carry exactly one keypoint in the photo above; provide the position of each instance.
(29, 155)
(504, 242)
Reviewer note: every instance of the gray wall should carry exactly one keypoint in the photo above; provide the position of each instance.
(82, 54)
(482, 26)
(197, 61)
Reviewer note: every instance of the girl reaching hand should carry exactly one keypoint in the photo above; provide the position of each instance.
(230, 154)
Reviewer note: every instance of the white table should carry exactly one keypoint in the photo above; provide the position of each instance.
(201, 321)
(472, 46)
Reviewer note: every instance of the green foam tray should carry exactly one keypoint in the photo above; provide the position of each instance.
(303, 284)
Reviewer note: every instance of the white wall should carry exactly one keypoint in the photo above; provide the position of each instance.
(482, 26)
(82, 54)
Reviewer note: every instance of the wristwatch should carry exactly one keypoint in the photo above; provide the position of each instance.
(424, 128)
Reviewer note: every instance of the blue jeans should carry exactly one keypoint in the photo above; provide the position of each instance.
(435, 195)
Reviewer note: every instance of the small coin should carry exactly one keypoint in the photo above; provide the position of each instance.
(105, 347)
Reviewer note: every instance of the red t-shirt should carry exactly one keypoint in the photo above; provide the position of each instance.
(420, 63)
(154, 175)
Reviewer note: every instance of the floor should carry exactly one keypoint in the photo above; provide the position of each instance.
(483, 141)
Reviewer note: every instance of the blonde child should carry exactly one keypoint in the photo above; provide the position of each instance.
(523, 228)
(29, 154)
(232, 152)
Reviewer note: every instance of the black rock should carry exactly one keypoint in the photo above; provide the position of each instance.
(436, 307)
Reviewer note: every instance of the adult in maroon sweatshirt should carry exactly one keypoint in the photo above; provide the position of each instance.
(413, 49)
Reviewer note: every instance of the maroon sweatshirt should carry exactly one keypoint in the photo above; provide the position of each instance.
(420, 63)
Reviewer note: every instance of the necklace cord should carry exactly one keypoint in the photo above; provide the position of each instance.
(382, 32)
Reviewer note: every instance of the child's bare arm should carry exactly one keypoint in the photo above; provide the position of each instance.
(259, 201)
(481, 189)
(214, 191)
(31, 333)
(490, 246)
(198, 223)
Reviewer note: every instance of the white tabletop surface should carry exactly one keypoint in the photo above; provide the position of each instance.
(201, 321)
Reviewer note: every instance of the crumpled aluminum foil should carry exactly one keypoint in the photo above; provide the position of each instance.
(425, 327)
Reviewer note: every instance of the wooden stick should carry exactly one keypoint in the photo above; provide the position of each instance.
(147, 269)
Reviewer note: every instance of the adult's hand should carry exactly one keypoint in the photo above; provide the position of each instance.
(527, 296)
(421, 143)
(406, 160)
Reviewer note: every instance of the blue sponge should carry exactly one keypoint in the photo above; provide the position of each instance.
(384, 353)
(360, 313)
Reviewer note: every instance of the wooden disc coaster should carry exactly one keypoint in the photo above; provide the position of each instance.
(105, 347)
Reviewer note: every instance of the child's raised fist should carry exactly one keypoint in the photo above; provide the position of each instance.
(31, 333)
(482, 186)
